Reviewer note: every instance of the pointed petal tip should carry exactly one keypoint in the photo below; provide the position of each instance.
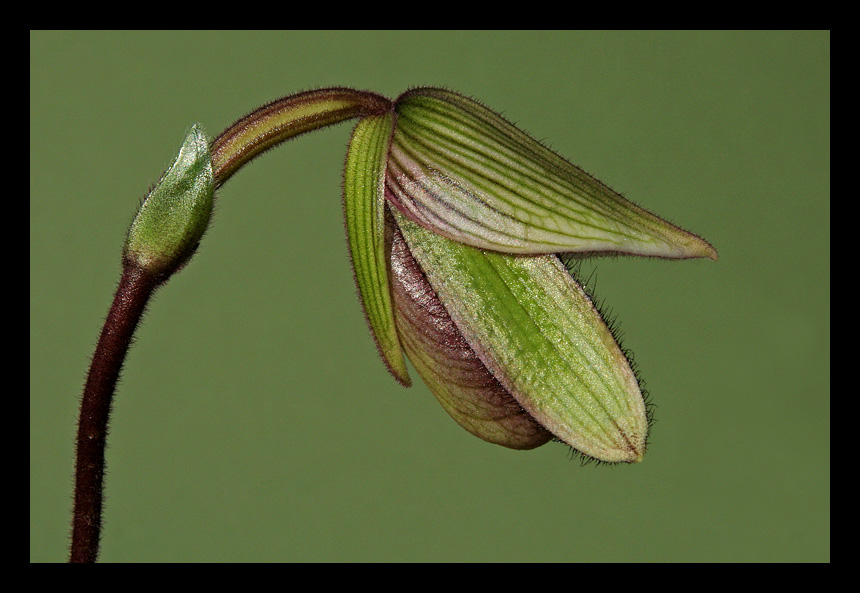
(633, 447)
(702, 248)
(686, 245)
(624, 445)
(401, 376)
(714, 256)
(635, 455)
(392, 356)
(632, 440)
(628, 454)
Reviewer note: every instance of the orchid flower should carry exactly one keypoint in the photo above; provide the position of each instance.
(455, 220)
(458, 225)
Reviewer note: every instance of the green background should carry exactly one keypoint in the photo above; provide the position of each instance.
(254, 421)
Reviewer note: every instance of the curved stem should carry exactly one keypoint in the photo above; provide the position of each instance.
(135, 288)
(285, 118)
(247, 138)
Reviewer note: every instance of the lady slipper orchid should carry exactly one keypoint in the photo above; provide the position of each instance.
(456, 220)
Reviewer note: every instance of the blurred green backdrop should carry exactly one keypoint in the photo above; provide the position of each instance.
(254, 421)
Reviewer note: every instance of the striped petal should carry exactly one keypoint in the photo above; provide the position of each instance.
(463, 171)
(449, 366)
(364, 211)
(540, 336)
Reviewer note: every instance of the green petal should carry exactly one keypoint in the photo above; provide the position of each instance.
(364, 210)
(465, 172)
(449, 366)
(540, 335)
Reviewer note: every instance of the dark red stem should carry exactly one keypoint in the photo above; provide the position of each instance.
(249, 137)
(134, 290)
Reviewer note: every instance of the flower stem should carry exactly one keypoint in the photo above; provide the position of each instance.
(135, 288)
(285, 118)
(246, 139)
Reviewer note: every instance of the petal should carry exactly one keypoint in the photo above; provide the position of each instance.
(364, 212)
(449, 366)
(465, 172)
(539, 334)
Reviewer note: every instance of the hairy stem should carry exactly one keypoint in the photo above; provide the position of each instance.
(285, 118)
(134, 290)
(246, 139)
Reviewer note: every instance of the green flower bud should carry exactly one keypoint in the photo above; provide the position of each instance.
(172, 219)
